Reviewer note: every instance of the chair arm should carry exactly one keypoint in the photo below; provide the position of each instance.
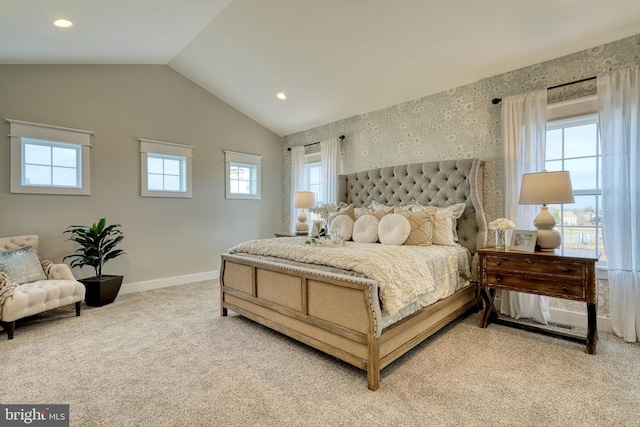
(59, 272)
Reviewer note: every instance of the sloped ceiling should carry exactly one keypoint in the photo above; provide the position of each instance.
(333, 58)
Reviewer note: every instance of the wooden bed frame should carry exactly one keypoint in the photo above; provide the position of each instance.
(340, 314)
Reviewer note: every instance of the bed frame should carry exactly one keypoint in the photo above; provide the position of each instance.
(340, 314)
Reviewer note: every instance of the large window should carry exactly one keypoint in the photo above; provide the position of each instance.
(312, 180)
(49, 159)
(573, 145)
(243, 175)
(165, 169)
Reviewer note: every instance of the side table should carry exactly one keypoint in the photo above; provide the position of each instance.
(540, 273)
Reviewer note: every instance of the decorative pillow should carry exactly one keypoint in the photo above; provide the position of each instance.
(421, 227)
(342, 224)
(348, 211)
(365, 229)
(442, 233)
(22, 265)
(377, 206)
(393, 229)
(440, 214)
(377, 213)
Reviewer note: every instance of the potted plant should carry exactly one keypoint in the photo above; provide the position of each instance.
(97, 244)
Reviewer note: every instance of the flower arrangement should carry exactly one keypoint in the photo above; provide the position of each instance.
(502, 227)
(501, 224)
(324, 210)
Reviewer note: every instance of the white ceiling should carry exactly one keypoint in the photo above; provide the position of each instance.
(333, 58)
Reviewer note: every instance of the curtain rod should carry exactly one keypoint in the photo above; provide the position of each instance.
(497, 100)
(341, 137)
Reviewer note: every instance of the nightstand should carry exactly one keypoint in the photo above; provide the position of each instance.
(540, 273)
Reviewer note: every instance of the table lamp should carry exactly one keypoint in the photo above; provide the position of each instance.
(546, 188)
(303, 200)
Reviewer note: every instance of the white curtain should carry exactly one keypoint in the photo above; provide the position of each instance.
(524, 128)
(329, 169)
(619, 111)
(297, 182)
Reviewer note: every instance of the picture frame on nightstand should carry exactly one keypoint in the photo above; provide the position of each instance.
(523, 240)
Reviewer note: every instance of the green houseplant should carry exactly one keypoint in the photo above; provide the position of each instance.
(97, 246)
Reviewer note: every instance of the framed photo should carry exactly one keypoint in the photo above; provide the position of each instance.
(523, 240)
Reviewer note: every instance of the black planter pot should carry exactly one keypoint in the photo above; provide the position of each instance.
(101, 292)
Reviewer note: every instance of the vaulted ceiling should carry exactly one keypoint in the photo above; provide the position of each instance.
(333, 58)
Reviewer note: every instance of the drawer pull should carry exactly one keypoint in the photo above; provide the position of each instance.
(529, 261)
(565, 269)
(564, 288)
(498, 279)
(498, 263)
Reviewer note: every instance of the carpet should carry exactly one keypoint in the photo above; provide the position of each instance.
(166, 358)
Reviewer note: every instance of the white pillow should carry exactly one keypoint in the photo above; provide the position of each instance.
(393, 229)
(365, 229)
(342, 224)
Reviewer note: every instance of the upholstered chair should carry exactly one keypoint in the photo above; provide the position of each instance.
(30, 285)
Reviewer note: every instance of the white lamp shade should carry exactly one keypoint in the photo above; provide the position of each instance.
(304, 199)
(545, 188)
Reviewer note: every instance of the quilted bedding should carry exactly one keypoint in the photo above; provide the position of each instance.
(409, 277)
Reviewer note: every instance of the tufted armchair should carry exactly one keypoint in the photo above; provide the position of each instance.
(55, 288)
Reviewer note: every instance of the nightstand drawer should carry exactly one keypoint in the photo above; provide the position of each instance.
(553, 287)
(497, 263)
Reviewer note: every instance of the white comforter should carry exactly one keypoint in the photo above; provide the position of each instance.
(409, 277)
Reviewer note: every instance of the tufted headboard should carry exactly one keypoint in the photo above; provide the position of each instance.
(433, 183)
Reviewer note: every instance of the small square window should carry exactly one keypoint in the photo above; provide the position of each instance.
(49, 159)
(165, 169)
(243, 175)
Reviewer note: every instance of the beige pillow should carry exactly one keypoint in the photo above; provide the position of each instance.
(421, 227)
(349, 211)
(443, 217)
(393, 229)
(365, 229)
(342, 224)
(379, 213)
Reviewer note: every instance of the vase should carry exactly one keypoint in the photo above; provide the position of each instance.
(503, 239)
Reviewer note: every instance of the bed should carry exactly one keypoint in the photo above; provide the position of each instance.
(341, 313)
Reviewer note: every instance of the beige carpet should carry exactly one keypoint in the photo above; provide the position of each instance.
(166, 358)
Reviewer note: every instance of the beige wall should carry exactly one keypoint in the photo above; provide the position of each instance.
(164, 237)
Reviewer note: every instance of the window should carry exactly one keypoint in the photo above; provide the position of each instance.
(573, 144)
(312, 180)
(243, 175)
(49, 159)
(165, 169)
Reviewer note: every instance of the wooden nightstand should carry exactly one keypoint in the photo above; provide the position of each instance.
(541, 273)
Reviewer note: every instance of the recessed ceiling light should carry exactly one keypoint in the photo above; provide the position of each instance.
(281, 96)
(62, 23)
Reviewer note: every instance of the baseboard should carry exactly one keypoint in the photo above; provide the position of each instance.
(578, 319)
(572, 318)
(166, 282)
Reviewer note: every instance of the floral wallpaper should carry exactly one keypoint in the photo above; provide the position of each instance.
(461, 123)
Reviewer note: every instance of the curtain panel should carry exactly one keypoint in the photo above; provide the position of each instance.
(619, 117)
(329, 169)
(524, 129)
(297, 182)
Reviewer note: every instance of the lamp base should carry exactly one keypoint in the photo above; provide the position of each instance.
(548, 240)
(302, 227)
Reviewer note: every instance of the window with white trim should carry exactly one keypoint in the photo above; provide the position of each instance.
(165, 169)
(48, 159)
(573, 144)
(243, 175)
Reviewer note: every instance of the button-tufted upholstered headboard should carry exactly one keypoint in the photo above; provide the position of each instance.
(433, 183)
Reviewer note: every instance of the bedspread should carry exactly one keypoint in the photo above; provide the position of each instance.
(407, 275)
